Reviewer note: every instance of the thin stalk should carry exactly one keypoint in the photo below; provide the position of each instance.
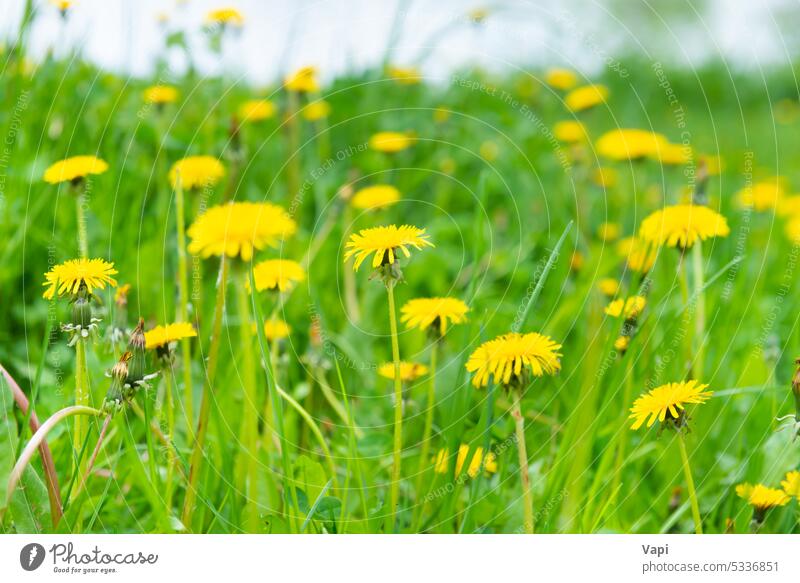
(151, 450)
(205, 401)
(350, 294)
(687, 472)
(169, 387)
(428, 428)
(183, 303)
(293, 130)
(93, 457)
(398, 413)
(248, 456)
(700, 309)
(81, 400)
(519, 427)
(39, 437)
(684, 283)
(80, 216)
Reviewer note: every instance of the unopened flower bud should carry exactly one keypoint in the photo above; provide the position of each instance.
(82, 308)
(136, 345)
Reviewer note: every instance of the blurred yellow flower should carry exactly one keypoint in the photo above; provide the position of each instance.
(391, 142)
(507, 357)
(276, 329)
(667, 399)
(164, 335)
(672, 154)
(608, 231)
(789, 206)
(384, 243)
(629, 144)
(608, 286)
(762, 196)
(375, 197)
(621, 343)
(404, 75)
(66, 278)
(489, 150)
(586, 97)
(683, 224)
(569, 131)
(489, 463)
(791, 484)
(409, 371)
(562, 79)
(74, 169)
(280, 274)
(303, 80)
(632, 308)
(225, 16)
(237, 228)
(793, 230)
(160, 94)
(423, 313)
(196, 172)
(316, 110)
(441, 114)
(255, 110)
(638, 253)
(605, 177)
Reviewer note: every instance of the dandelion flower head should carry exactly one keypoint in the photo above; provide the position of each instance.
(66, 278)
(74, 168)
(508, 355)
(668, 399)
(384, 243)
(423, 313)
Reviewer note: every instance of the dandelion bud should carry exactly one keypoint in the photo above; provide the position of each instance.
(82, 308)
(116, 392)
(137, 344)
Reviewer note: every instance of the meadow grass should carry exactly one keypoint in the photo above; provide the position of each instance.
(495, 192)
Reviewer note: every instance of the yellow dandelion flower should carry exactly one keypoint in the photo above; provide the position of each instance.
(791, 484)
(276, 329)
(441, 114)
(605, 177)
(631, 308)
(62, 5)
(608, 231)
(160, 94)
(671, 154)
(585, 97)
(255, 110)
(761, 497)
(793, 229)
(237, 228)
(391, 142)
(404, 75)
(761, 196)
(384, 243)
(225, 16)
(608, 286)
(489, 150)
(280, 274)
(638, 253)
(713, 164)
(375, 197)
(316, 110)
(683, 224)
(667, 399)
(629, 144)
(163, 335)
(409, 371)
(121, 295)
(569, 131)
(438, 312)
(489, 462)
(303, 80)
(73, 169)
(789, 206)
(621, 343)
(576, 261)
(65, 278)
(509, 354)
(196, 172)
(562, 79)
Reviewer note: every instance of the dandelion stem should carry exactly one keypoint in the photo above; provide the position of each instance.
(293, 129)
(169, 387)
(248, 456)
(684, 283)
(519, 426)
(700, 310)
(81, 399)
(183, 302)
(428, 429)
(93, 457)
(80, 217)
(687, 472)
(398, 412)
(205, 400)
